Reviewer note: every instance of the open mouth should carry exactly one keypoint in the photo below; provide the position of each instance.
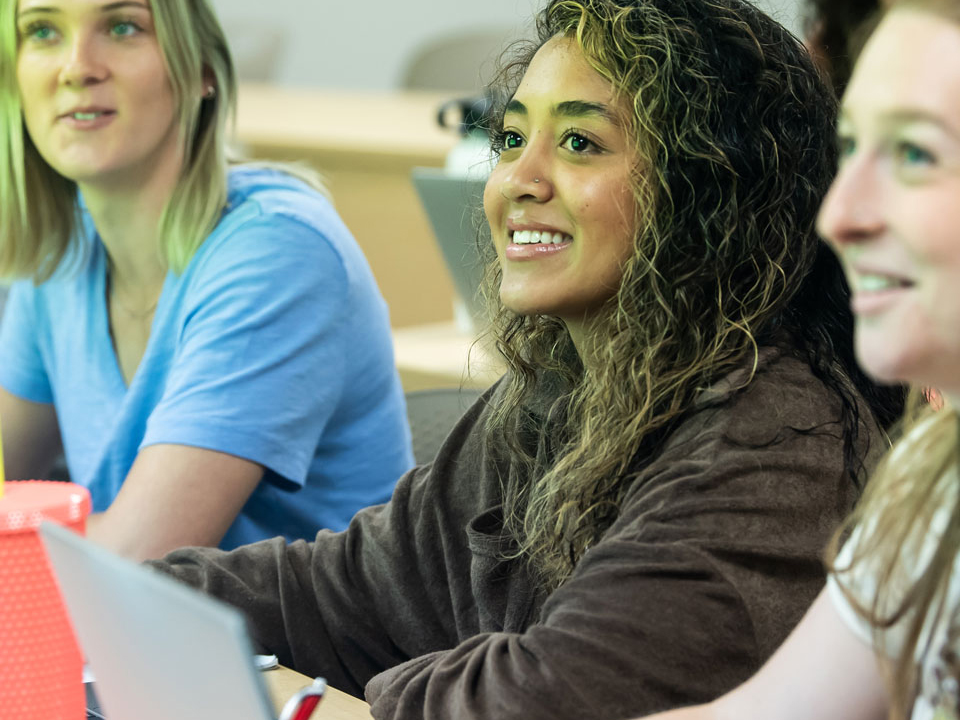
(87, 116)
(533, 237)
(873, 283)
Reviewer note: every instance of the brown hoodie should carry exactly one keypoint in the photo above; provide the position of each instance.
(713, 559)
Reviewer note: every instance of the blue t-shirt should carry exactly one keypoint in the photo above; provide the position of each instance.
(273, 345)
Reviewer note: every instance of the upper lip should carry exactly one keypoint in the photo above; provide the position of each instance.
(87, 109)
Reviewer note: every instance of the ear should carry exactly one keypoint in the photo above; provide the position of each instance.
(209, 84)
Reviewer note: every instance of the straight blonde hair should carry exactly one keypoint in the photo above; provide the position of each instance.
(39, 210)
(911, 490)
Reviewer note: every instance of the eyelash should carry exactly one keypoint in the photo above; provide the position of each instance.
(500, 140)
(845, 145)
(113, 23)
(900, 150)
(904, 147)
(30, 30)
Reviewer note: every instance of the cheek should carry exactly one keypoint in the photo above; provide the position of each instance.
(610, 212)
(28, 88)
(490, 195)
(493, 204)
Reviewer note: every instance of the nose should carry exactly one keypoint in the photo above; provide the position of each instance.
(83, 64)
(528, 177)
(852, 211)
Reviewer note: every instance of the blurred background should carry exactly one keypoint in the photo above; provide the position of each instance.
(353, 90)
(383, 44)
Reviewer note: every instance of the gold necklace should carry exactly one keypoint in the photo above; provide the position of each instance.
(135, 314)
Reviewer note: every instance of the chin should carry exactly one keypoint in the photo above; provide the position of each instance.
(886, 369)
(520, 303)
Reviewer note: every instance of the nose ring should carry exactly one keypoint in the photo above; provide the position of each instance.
(536, 180)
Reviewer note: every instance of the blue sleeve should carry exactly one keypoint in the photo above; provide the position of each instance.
(259, 364)
(22, 370)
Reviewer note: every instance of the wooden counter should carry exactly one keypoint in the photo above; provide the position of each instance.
(365, 144)
(336, 705)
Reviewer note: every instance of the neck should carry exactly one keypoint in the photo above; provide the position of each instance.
(126, 213)
(580, 333)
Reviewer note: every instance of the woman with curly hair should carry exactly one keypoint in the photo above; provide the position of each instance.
(632, 518)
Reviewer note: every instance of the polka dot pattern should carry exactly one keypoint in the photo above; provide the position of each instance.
(40, 662)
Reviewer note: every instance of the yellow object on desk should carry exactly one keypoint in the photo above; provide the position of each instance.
(282, 683)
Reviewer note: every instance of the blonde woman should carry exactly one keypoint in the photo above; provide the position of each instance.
(884, 639)
(633, 517)
(206, 343)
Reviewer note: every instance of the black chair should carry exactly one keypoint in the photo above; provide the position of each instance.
(432, 414)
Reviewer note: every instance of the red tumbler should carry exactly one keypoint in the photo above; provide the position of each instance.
(41, 666)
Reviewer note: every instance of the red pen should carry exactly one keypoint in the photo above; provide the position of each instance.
(302, 704)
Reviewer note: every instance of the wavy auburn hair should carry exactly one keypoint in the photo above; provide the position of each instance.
(734, 129)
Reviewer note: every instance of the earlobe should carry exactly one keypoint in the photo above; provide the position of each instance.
(209, 92)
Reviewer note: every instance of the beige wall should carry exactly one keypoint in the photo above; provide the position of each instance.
(365, 44)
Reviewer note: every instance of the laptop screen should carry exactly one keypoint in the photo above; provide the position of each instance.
(158, 649)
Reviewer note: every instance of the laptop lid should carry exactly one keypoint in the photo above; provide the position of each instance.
(158, 649)
(454, 206)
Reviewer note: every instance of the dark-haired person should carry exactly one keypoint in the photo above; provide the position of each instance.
(832, 28)
(204, 340)
(883, 640)
(632, 519)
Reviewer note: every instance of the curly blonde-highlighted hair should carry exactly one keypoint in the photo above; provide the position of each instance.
(734, 128)
(913, 490)
(39, 214)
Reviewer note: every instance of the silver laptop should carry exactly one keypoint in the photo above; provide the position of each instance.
(158, 649)
(454, 206)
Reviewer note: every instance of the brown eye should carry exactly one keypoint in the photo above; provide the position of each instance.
(577, 143)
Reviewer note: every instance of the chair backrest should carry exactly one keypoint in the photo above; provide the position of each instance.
(461, 61)
(432, 414)
(257, 49)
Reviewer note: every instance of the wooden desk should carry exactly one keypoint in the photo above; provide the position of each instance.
(435, 356)
(336, 705)
(365, 144)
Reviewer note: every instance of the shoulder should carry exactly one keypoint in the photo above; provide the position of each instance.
(764, 442)
(766, 394)
(275, 221)
(258, 193)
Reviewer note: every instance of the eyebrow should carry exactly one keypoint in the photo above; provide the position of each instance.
(109, 7)
(907, 117)
(570, 108)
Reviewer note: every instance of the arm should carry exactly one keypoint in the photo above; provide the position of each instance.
(254, 378)
(162, 493)
(31, 435)
(715, 557)
(822, 671)
(31, 439)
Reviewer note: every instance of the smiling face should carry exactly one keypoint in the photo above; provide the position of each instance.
(97, 100)
(893, 212)
(559, 202)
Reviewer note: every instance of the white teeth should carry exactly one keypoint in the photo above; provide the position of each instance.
(877, 283)
(527, 237)
(86, 116)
